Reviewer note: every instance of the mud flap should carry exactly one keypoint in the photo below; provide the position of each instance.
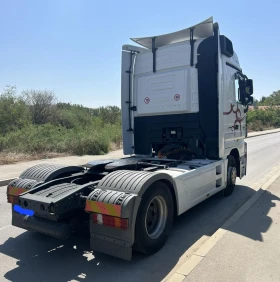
(112, 240)
(110, 248)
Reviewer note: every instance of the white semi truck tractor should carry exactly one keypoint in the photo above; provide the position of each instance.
(184, 102)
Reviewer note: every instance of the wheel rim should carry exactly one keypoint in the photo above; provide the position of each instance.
(156, 217)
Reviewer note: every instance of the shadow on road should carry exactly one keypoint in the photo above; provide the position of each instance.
(41, 258)
(257, 220)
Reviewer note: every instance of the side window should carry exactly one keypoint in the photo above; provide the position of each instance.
(236, 87)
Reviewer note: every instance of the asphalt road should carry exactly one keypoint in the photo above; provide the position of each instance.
(27, 256)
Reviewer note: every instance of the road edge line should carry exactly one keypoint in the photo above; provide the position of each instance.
(5, 182)
(262, 134)
(190, 264)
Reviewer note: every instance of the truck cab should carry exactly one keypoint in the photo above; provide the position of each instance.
(186, 88)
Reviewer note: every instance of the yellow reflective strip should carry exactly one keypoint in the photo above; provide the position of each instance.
(114, 210)
(103, 208)
(111, 209)
(92, 207)
(15, 191)
(11, 190)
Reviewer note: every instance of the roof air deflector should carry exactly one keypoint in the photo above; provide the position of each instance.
(201, 30)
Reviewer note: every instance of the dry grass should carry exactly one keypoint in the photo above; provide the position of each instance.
(250, 130)
(11, 158)
(116, 146)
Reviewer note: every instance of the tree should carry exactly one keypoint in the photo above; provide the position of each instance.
(41, 104)
(255, 102)
(109, 114)
(275, 98)
(262, 99)
(14, 112)
(271, 100)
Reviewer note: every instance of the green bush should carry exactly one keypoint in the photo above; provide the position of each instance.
(259, 119)
(109, 114)
(51, 138)
(271, 100)
(14, 113)
(34, 123)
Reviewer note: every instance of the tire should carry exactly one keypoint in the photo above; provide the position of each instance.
(154, 219)
(231, 176)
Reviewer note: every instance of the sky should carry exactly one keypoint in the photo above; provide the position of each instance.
(73, 47)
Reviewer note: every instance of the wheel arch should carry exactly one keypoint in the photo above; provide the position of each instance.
(174, 196)
(167, 179)
(48, 172)
(138, 182)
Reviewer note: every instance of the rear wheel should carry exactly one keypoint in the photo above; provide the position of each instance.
(154, 219)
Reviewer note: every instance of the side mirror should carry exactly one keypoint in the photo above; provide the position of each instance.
(249, 87)
(249, 101)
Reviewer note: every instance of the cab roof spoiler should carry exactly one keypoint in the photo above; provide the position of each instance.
(201, 30)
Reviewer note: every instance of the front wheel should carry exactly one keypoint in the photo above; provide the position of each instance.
(154, 219)
(231, 176)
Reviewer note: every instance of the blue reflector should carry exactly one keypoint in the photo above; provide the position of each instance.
(21, 210)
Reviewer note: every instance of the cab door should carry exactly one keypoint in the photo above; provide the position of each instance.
(233, 112)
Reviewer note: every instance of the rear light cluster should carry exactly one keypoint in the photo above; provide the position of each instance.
(12, 199)
(13, 193)
(111, 221)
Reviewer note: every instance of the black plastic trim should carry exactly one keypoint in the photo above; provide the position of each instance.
(192, 45)
(154, 49)
(234, 67)
(207, 68)
(129, 92)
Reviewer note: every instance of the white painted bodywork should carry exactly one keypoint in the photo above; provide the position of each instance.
(173, 88)
(193, 186)
(173, 62)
